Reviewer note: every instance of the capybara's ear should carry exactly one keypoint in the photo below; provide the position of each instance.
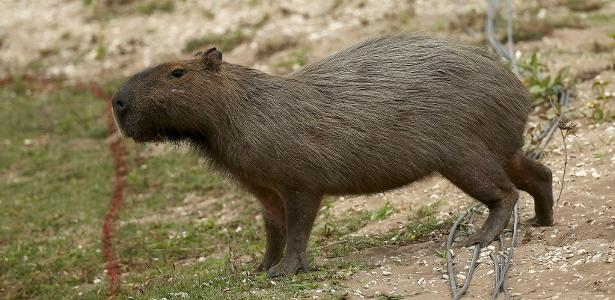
(212, 58)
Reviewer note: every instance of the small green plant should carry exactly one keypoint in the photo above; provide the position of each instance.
(598, 105)
(18, 85)
(101, 52)
(150, 7)
(208, 14)
(542, 84)
(65, 35)
(328, 228)
(226, 42)
(297, 59)
(424, 211)
(583, 5)
(380, 214)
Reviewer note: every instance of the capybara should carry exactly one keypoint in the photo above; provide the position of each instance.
(373, 117)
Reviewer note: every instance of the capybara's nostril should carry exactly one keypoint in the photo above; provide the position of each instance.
(119, 106)
(122, 100)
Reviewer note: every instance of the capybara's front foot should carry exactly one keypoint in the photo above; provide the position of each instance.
(262, 267)
(266, 264)
(541, 221)
(288, 266)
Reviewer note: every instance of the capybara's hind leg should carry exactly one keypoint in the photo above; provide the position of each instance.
(274, 217)
(536, 179)
(485, 180)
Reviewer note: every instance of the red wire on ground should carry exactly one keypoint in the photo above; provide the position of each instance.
(117, 151)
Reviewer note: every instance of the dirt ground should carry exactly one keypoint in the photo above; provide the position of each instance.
(572, 260)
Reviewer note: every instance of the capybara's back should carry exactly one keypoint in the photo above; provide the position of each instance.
(393, 109)
(376, 116)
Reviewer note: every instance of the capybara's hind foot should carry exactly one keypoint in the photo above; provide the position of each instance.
(287, 267)
(478, 238)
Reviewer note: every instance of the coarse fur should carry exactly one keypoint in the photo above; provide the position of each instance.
(373, 117)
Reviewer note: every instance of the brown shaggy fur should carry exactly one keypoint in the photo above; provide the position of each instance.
(373, 117)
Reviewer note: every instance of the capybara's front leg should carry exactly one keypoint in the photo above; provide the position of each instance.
(276, 233)
(301, 209)
(274, 218)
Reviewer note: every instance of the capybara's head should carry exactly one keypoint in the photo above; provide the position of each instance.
(171, 101)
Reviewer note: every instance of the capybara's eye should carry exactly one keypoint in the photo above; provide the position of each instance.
(178, 73)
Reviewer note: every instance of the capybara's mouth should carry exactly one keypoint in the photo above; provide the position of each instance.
(164, 135)
(128, 127)
(128, 130)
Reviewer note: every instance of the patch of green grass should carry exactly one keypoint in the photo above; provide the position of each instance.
(215, 279)
(405, 21)
(225, 42)
(296, 59)
(598, 18)
(527, 26)
(105, 11)
(17, 87)
(150, 7)
(583, 5)
(54, 190)
(417, 229)
(427, 211)
(162, 181)
(352, 223)
(532, 28)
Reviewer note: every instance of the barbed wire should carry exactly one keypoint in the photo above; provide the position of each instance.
(503, 258)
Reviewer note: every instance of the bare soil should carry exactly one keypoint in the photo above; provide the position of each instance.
(571, 260)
